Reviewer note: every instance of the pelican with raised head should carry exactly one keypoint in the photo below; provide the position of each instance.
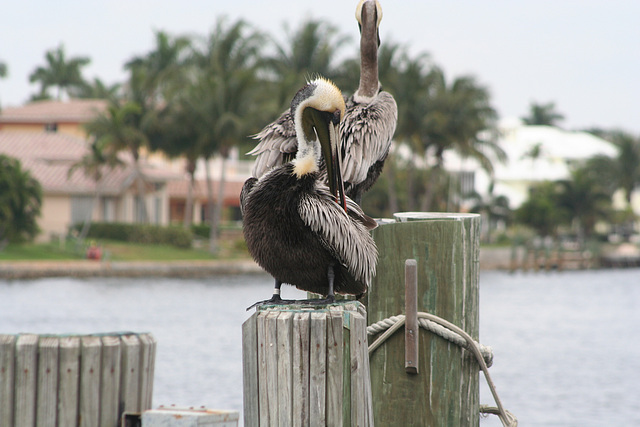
(297, 228)
(369, 121)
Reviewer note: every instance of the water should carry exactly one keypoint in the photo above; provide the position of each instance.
(566, 345)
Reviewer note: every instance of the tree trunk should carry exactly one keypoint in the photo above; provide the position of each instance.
(433, 184)
(217, 213)
(213, 238)
(142, 193)
(188, 210)
(411, 196)
(87, 222)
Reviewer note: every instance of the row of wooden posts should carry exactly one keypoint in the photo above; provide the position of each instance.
(74, 381)
(301, 366)
(540, 257)
(310, 367)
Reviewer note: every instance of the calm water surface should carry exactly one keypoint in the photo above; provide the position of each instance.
(566, 345)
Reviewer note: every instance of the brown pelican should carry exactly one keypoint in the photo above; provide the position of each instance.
(368, 125)
(299, 230)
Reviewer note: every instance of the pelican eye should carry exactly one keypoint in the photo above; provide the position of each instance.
(335, 117)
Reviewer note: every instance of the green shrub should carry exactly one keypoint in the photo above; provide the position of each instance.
(140, 233)
(201, 230)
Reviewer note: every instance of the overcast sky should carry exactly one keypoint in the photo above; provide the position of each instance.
(584, 55)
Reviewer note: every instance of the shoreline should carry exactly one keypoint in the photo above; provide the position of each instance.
(16, 270)
(489, 259)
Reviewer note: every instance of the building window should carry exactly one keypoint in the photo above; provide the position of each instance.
(81, 209)
(157, 210)
(140, 210)
(108, 209)
(51, 127)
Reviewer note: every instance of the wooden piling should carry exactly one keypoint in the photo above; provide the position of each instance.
(74, 381)
(306, 366)
(445, 392)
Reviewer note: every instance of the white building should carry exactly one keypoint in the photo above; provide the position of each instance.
(534, 154)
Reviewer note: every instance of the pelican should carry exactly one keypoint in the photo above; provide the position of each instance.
(369, 121)
(297, 228)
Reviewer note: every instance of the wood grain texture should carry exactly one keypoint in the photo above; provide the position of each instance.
(110, 381)
(69, 381)
(311, 368)
(129, 374)
(26, 373)
(445, 392)
(90, 373)
(250, 371)
(300, 369)
(7, 361)
(47, 394)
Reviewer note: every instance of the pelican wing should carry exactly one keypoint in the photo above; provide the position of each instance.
(278, 144)
(366, 132)
(246, 190)
(347, 239)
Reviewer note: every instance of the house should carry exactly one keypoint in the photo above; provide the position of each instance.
(70, 199)
(534, 154)
(49, 136)
(177, 199)
(66, 117)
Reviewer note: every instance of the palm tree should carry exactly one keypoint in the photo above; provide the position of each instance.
(93, 164)
(409, 88)
(309, 50)
(95, 90)
(60, 72)
(543, 114)
(583, 200)
(176, 135)
(223, 100)
(161, 69)
(458, 117)
(627, 163)
(117, 130)
(540, 211)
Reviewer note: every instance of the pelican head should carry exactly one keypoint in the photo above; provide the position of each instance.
(369, 15)
(317, 110)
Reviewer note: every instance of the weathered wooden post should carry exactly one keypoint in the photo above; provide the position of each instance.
(74, 381)
(444, 392)
(306, 366)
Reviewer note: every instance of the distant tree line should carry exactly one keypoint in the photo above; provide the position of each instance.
(197, 97)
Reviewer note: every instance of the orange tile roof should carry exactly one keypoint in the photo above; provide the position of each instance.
(72, 111)
(48, 157)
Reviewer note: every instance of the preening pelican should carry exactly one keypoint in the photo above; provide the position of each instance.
(299, 230)
(369, 121)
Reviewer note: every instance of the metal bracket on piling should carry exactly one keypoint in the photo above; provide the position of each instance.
(411, 331)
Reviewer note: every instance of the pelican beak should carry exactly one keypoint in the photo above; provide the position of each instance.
(327, 128)
(368, 13)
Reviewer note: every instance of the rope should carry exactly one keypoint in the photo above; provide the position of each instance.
(451, 332)
(448, 334)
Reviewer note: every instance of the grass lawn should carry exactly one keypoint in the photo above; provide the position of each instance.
(120, 251)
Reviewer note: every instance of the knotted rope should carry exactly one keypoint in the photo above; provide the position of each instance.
(448, 334)
(454, 334)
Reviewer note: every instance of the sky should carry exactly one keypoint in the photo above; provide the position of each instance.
(583, 55)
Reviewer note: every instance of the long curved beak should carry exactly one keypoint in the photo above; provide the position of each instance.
(328, 130)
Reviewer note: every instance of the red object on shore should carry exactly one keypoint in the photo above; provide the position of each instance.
(94, 252)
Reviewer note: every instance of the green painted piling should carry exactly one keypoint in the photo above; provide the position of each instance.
(445, 391)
